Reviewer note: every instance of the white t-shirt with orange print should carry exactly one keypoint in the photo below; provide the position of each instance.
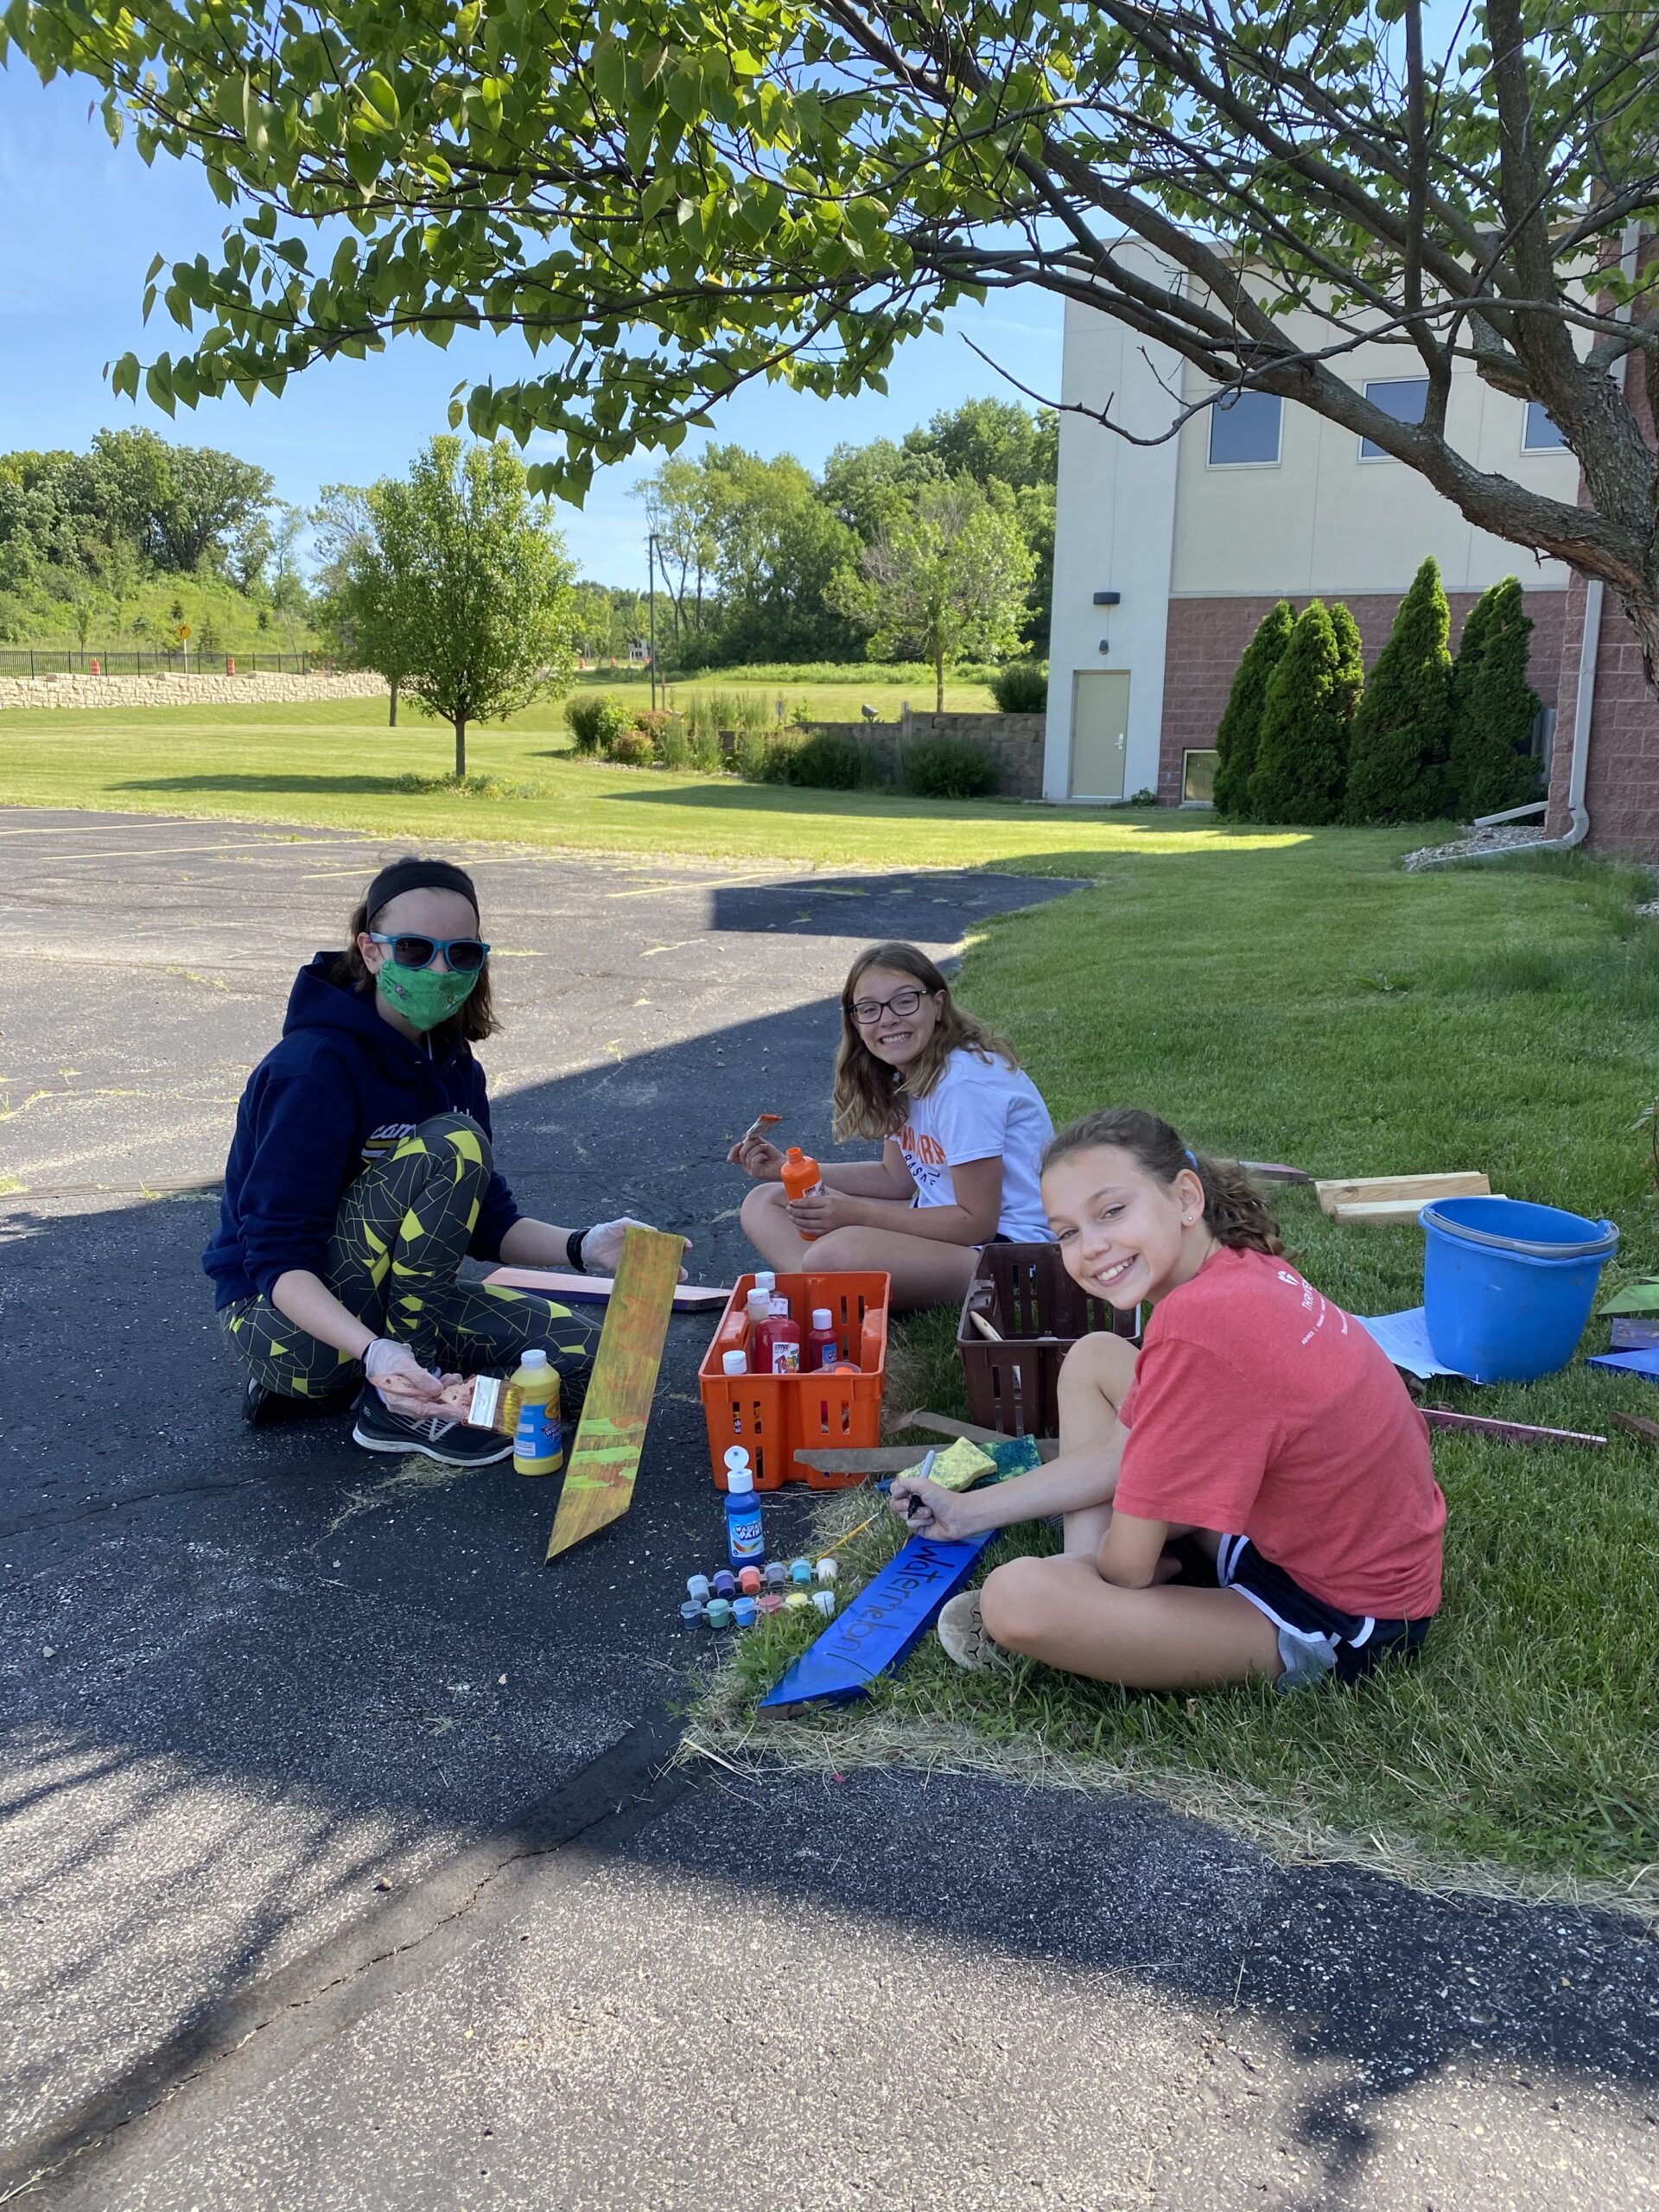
(981, 1109)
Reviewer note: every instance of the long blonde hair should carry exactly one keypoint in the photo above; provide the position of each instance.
(872, 1098)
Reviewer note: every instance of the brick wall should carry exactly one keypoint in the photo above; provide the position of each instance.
(1207, 638)
(184, 690)
(1016, 741)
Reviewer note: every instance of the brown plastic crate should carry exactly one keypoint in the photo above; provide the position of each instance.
(1027, 1297)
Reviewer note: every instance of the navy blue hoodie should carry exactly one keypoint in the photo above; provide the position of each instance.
(341, 1088)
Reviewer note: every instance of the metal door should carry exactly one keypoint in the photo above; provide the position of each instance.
(1100, 732)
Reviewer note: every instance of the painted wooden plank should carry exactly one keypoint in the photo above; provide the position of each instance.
(1507, 1432)
(1463, 1183)
(595, 1290)
(889, 1615)
(1633, 1425)
(604, 1457)
(1632, 1332)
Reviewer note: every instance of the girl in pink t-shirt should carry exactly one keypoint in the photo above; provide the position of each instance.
(1257, 1419)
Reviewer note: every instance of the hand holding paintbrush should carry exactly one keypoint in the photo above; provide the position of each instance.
(754, 1153)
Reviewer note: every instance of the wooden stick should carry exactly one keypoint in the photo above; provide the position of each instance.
(1463, 1183)
(1633, 1425)
(595, 1290)
(605, 1458)
(1507, 1432)
(866, 1460)
(994, 1335)
(942, 1425)
(1273, 1170)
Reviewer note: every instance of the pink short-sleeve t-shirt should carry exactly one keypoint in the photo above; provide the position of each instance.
(1260, 1409)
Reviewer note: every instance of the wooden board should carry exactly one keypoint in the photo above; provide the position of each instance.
(1633, 1425)
(1371, 1189)
(595, 1290)
(604, 1457)
(1389, 1213)
(1507, 1432)
(1634, 1332)
(888, 1617)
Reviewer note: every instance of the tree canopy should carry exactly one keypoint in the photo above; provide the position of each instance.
(672, 202)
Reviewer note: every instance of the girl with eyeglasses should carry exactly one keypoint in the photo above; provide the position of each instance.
(962, 1128)
(361, 1175)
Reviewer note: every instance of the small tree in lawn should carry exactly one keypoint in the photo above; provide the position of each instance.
(467, 589)
(1493, 706)
(946, 581)
(1299, 761)
(1396, 758)
(1351, 659)
(1240, 728)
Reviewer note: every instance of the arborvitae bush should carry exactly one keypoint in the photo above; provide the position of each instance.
(1493, 706)
(1351, 659)
(1240, 728)
(1397, 755)
(1298, 776)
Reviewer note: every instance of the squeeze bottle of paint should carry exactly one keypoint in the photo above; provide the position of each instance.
(801, 1179)
(822, 1348)
(777, 1303)
(744, 1541)
(759, 1310)
(783, 1345)
(537, 1442)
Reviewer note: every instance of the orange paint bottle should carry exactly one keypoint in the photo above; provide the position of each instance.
(801, 1179)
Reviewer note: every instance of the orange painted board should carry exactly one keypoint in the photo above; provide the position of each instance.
(604, 1457)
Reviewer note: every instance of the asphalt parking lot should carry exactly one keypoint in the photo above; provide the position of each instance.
(341, 1867)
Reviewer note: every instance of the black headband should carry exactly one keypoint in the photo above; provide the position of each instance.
(413, 874)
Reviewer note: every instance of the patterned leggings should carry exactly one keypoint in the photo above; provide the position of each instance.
(399, 1239)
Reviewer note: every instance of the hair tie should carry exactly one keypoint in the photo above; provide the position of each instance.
(1192, 1159)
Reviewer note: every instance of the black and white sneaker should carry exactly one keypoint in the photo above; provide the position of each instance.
(452, 1443)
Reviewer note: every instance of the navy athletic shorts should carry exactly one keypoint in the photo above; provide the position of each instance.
(1316, 1643)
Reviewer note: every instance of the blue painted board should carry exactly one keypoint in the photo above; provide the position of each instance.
(888, 1617)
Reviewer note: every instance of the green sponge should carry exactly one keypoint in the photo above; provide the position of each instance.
(961, 1467)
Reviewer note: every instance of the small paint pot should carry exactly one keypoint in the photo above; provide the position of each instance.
(772, 1603)
(725, 1584)
(827, 1570)
(800, 1572)
(697, 1586)
(691, 1614)
(720, 1613)
(743, 1612)
(823, 1601)
(796, 1602)
(748, 1580)
(776, 1573)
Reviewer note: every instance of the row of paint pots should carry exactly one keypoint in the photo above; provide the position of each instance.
(738, 1600)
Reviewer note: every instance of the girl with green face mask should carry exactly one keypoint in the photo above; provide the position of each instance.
(361, 1176)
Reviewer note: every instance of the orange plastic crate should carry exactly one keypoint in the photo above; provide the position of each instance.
(774, 1416)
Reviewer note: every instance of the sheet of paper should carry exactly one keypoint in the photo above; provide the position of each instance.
(1404, 1336)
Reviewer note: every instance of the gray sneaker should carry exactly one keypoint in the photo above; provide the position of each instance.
(452, 1443)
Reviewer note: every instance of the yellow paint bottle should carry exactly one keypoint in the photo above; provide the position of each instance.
(538, 1440)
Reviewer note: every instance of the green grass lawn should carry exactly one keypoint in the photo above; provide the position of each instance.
(827, 691)
(1312, 1003)
(334, 763)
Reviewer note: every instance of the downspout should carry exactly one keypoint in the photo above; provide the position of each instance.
(1584, 701)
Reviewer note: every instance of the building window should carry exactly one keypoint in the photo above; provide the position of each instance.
(1404, 398)
(1199, 778)
(1244, 430)
(1540, 435)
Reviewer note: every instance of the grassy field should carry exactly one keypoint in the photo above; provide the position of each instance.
(336, 764)
(1313, 1004)
(826, 691)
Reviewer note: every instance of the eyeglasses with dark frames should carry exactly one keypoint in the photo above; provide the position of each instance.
(867, 1010)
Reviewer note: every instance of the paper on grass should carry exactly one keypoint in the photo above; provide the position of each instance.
(1404, 1337)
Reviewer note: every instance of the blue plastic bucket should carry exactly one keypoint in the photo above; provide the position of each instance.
(1507, 1286)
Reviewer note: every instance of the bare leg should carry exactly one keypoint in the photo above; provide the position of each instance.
(1059, 1610)
(1094, 1382)
(924, 1272)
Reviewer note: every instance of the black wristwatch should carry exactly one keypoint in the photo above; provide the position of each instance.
(573, 1249)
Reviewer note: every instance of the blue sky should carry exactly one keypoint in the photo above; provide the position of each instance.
(82, 219)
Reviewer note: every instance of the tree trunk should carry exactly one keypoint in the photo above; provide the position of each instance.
(391, 719)
(460, 747)
(938, 682)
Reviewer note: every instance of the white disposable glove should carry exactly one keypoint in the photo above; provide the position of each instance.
(396, 1373)
(601, 1248)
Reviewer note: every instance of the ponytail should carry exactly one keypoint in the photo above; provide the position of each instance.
(1233, 1211)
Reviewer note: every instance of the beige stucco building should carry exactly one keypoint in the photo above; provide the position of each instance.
(1168, 554)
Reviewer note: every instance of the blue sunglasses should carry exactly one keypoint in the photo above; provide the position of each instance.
(466, 955)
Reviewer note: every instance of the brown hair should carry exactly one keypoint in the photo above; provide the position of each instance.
(1234, 1210)
(871, 1098)
(476, 1018)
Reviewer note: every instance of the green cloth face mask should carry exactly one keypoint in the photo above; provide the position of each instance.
(423, 995)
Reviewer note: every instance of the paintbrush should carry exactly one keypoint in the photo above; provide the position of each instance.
(482, 1402)
(759, 1126)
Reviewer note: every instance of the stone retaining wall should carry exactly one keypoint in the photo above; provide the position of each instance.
(1014, 741)
(185, 690)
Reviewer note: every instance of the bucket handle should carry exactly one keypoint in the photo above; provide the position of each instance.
(1598, 1247)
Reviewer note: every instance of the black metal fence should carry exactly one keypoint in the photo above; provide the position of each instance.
(73, 660)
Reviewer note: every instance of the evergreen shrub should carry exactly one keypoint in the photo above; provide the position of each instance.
(1299, 761)
(950, 767)
(1397, 752)
(1240, 728)
(1021, 688)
